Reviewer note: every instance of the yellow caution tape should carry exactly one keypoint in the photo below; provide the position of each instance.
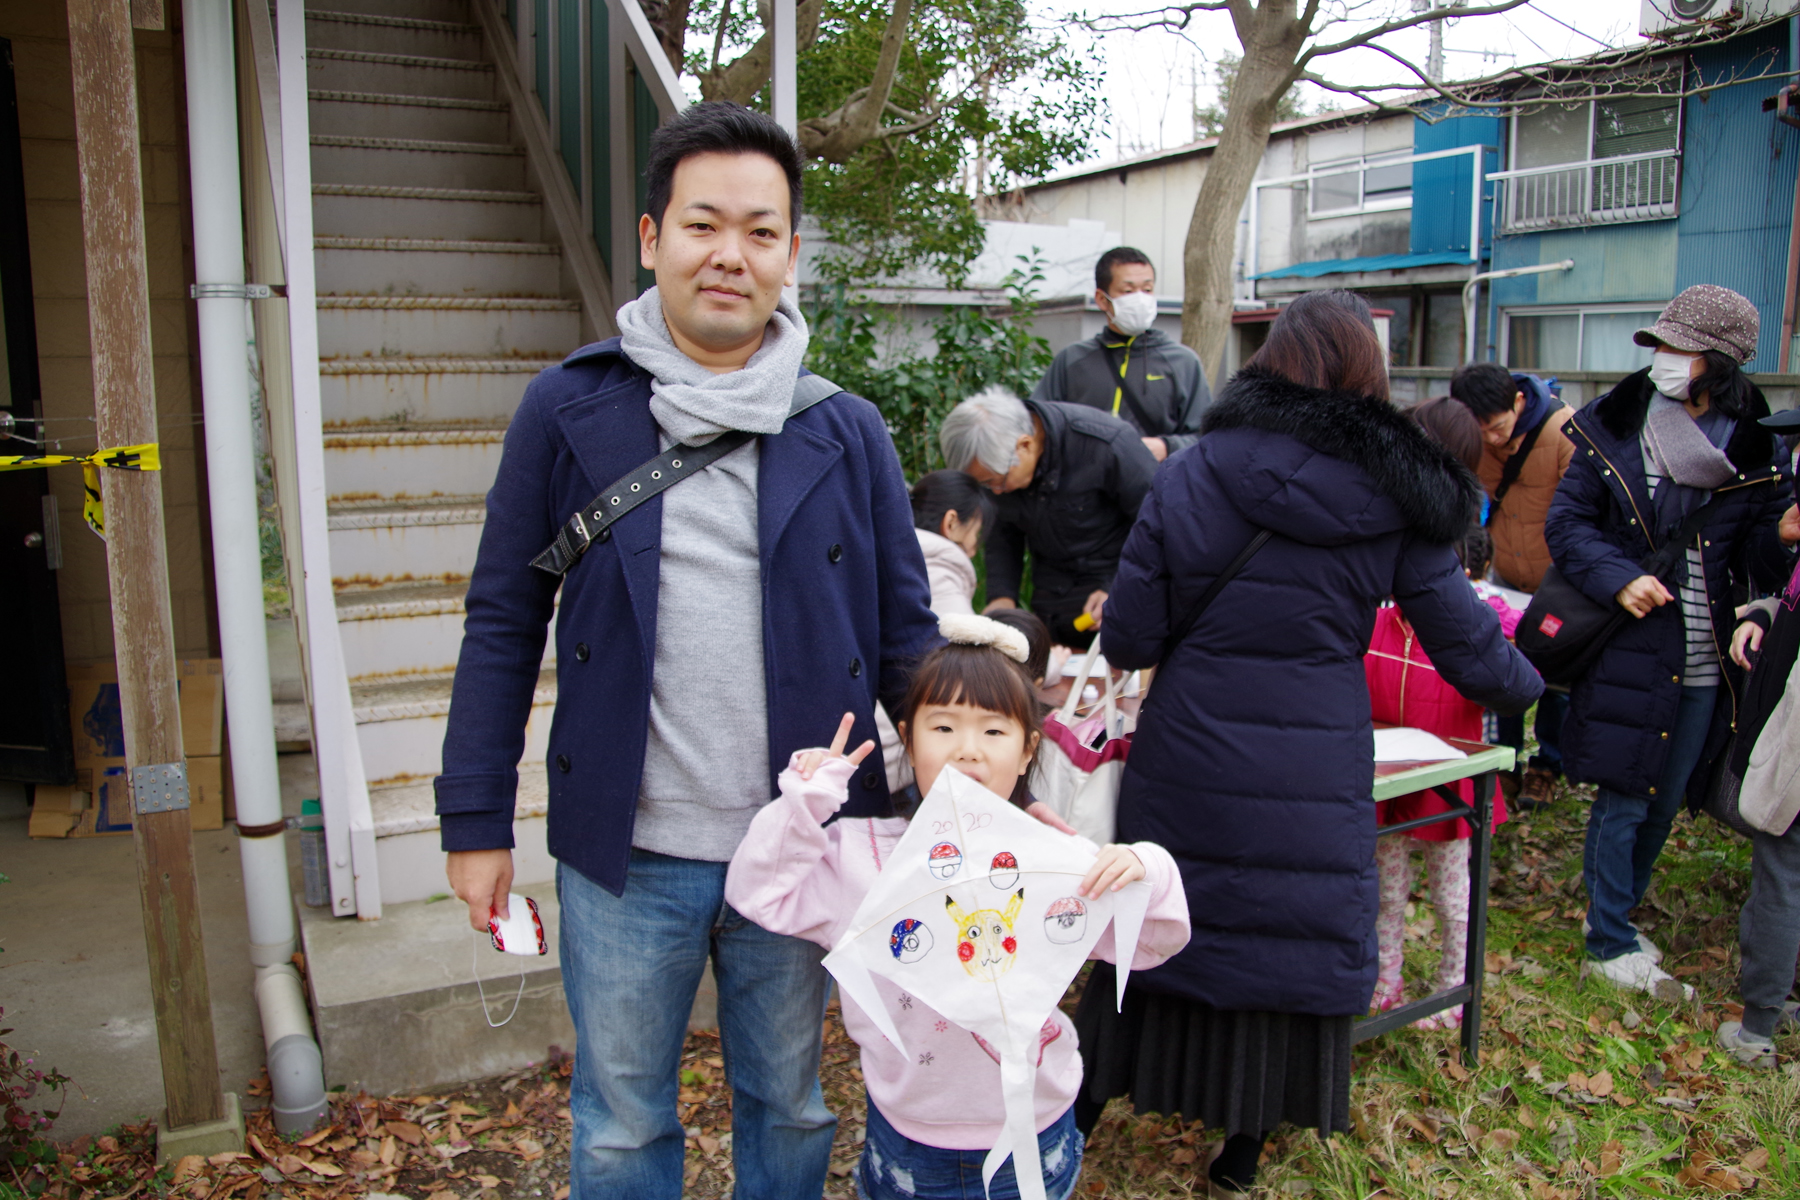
(119, 458)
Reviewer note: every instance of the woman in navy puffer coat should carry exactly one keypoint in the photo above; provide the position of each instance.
(1650, 716)
(1253, 761)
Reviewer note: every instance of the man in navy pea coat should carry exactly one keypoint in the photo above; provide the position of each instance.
(720, 627)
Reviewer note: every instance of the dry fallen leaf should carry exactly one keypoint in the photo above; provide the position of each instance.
(443, 1195)
(319, 1166)
(187, 1167)
(287, 1164)
(487, 1181)
(1612, 1157)
(1456, 1070)
(1503, 1141)
(1756, 1160)
(407, 1132)
(317, 1136)
(1601, 1084)
(528, 1149)
(562, 1193)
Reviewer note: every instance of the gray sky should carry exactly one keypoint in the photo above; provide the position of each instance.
(1151, 76)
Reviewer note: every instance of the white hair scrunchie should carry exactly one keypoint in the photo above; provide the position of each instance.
(967, 629)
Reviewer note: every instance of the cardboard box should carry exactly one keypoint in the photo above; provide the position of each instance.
(56, 810)
(206, 791)
(99, 725)
(99, 805)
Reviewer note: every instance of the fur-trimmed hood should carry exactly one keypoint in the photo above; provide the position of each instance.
(1435, 495)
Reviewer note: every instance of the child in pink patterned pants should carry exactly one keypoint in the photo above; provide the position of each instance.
(1405, 689)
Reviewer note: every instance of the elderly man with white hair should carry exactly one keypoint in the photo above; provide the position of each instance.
(1069, 481)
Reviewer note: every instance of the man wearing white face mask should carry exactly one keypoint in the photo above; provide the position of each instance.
(1130, 369)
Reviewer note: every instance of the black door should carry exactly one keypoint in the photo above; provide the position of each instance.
(34, 694)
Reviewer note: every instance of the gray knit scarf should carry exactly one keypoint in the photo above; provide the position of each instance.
(692, 404)
(1680, 449)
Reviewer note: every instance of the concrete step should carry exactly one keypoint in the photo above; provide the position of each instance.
(401, 724)
(456, 11)
(374, 210)
(417, 162)
(390, 266)
(406, 629)
(432, 326)
(381, 34)
(393, 462)
(398, 74)
(407, 841)
(424, 389)
(403, 629)
(371, 114)
(377, 543)
(395, 1001)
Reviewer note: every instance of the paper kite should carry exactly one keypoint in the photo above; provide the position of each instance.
(976, 914)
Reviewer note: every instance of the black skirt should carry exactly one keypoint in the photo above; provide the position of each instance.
(1243, 1072)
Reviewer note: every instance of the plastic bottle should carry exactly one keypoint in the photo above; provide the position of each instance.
(313, 874)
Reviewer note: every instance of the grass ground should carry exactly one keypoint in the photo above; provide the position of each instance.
(1581, 1092)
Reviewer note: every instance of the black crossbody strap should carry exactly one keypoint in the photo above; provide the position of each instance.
(594, 522)
(1515, 463)
(1193, 615)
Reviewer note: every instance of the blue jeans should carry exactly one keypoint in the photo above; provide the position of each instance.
(630, 965)
(1625, 834)
(1552, 707)
(894, 1167)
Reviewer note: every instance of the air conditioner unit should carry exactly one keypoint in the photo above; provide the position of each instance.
(1670, 18)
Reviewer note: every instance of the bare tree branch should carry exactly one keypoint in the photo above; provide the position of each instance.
(1367, 36)
(746, 75)
(1178, 20)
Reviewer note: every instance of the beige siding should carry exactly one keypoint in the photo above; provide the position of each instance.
(39, 35)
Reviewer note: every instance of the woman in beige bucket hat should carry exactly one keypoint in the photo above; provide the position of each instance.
(1647, 718)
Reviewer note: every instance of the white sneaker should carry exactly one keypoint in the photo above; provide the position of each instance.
(1643, 940)
(1638, 972)
(1749, 1050)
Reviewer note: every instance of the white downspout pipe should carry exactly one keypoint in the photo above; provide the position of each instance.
(295, 1070)
(1474, 283)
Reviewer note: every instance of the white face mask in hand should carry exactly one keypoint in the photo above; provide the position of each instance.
(1133, 312)
(1669, 372)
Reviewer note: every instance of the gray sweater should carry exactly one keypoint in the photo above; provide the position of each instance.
(706, 764)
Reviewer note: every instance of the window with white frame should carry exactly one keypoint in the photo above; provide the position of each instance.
(1371, 183)
(1597, 162)
(1576, 339)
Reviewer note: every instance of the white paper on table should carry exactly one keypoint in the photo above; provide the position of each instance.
(1412, 745)
(976, 914)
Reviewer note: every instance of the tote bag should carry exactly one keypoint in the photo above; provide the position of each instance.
(1080, 762)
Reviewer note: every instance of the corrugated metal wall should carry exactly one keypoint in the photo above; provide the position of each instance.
(1737, 184)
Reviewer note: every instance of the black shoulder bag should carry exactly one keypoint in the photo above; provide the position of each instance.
(1563, 631)
(594, 522)
(1192, 617)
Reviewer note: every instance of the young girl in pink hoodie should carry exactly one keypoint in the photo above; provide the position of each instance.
(934, 1114)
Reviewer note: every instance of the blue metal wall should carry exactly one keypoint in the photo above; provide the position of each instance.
(1613, 263)
(1737, 184)
(1442, 187)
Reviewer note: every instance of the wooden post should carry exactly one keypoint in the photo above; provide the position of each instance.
(118, 293)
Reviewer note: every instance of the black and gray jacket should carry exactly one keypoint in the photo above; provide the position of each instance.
(1074, 515)
(1152, 381)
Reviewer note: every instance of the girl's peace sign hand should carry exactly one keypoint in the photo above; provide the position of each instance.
(809, 762)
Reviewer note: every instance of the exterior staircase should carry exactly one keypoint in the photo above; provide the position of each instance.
(441, 293)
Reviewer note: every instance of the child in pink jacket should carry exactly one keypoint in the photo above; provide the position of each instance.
(934, 1114)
